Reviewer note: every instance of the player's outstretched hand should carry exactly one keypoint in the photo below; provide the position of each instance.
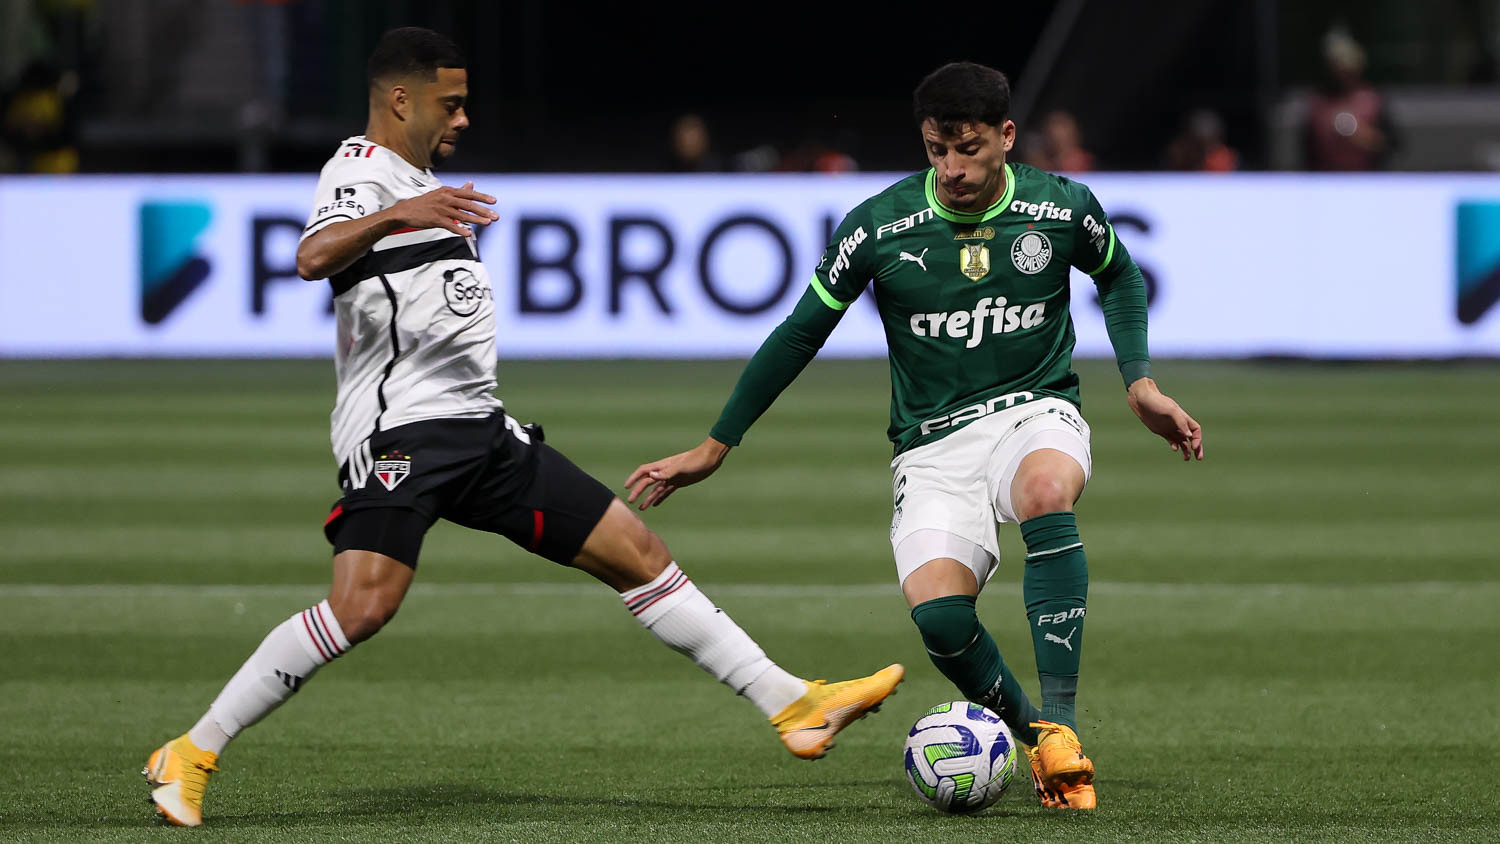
(1166, 419)
(454, 209)
(653, 482)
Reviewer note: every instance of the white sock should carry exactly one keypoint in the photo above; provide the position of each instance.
(286, 659)
(683, 618)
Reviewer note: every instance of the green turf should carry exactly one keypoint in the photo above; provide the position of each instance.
(1294, 640)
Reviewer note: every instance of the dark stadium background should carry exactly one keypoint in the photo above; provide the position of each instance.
(1294, 640)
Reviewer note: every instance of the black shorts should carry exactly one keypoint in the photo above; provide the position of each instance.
(489, 474)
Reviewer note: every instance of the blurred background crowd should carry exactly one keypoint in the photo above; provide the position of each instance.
(271, 85)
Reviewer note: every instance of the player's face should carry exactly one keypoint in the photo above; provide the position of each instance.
(970, 163)
(438, 116)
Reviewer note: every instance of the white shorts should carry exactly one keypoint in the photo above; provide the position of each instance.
(950, 495)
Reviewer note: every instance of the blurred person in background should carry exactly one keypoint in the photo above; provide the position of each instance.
(1348, 126)
(37, 123)
(1200, 146)
(1059, 145)
(692, 147)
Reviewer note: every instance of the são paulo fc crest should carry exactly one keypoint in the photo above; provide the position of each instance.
(391, 469)
(974, 260)
(1031, 252)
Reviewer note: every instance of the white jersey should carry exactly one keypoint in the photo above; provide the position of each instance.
(416, 324)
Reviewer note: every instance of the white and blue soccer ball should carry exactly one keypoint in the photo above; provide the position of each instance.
(960, 757)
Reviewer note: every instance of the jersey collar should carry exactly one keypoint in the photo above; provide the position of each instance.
(960, 217)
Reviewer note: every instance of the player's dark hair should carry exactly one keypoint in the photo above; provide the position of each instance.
(962, 92)
(411, 51)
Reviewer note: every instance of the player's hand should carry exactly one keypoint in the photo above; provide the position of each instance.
(653, 482)
(1163, 416)
(454, 209)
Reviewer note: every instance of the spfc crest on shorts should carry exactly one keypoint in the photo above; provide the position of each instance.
(391, 469)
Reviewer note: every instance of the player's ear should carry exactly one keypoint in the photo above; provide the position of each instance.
(1008, 134)
(401, 101)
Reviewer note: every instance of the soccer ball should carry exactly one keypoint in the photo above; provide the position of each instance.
(960, 757)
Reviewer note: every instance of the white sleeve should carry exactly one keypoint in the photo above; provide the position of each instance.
(347, 190)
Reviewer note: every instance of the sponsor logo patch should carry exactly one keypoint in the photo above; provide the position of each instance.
(464, 292)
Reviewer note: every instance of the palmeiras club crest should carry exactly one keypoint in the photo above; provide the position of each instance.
(391, 469)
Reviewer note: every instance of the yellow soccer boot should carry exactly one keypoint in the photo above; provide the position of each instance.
(178, 772)
(808, 725)
(1062, 775)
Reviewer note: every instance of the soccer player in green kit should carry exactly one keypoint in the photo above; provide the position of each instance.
(969, 261)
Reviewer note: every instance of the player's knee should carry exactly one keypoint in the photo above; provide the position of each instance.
(651, 554)
(1041, 494)
(948, 625)
(364, 614)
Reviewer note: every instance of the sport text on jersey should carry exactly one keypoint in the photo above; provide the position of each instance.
(1003, 318)
(846, 249)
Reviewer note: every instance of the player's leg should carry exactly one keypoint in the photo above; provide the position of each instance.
(1046, 462)
(943, 539)
(623, 553)
(540, 500)
(941, 592)
(366, 590)
(1046, 485)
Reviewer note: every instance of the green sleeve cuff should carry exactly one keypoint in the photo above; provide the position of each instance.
(1133, 371)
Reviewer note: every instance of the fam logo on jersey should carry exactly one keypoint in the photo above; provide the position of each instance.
(1478, 259)
(464, 292)
(1031, 252)
(391, 469)
(171, 266)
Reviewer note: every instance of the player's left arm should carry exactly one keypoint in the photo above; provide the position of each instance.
(1122, 296)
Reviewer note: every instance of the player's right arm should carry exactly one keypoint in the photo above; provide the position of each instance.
(846, 268)
(349, 219)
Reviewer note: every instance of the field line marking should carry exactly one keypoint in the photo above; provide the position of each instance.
(738, 590)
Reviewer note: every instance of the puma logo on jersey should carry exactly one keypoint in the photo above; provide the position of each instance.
(916, 259)
(1062, 641)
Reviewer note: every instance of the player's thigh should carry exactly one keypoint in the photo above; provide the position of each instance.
(1051, 440)
(540, 500)
(941, 509)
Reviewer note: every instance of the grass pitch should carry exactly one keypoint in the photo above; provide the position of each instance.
(1294, 640)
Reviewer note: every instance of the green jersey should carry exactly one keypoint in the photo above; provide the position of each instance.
(975, 307)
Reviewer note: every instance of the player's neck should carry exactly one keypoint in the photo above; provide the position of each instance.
(396, 142)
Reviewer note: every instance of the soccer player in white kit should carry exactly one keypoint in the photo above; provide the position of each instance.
(419, 436)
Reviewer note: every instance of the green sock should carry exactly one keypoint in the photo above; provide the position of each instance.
(963, 650)
(1056, 588)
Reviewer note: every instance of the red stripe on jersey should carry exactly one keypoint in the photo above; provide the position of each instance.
(371, 151)
(405, 230)
(337, 511)
(314, 637)
(537, 523)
